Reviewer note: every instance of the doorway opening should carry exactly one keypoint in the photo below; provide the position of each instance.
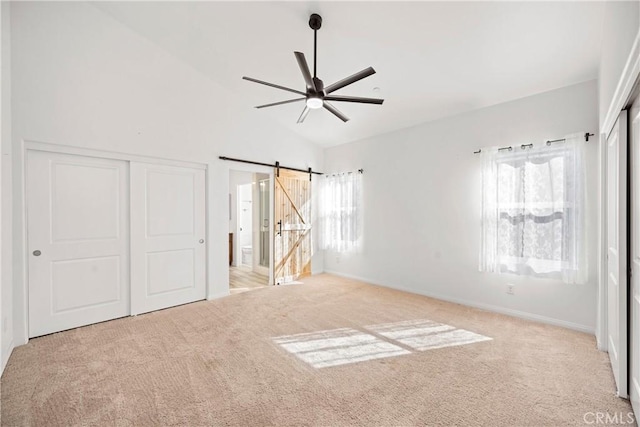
(249, 230)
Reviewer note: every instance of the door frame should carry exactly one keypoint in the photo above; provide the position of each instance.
(266, 170)
(21, 259)
(257, 226)
(602, 305)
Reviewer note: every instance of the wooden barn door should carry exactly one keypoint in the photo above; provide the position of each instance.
(292, 221)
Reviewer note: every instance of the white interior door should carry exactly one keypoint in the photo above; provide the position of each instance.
(617, 251)
(167, 236)
(634, 350)
(77, 222)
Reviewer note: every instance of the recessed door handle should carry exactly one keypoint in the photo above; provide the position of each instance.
(201, 240)
(37, 253)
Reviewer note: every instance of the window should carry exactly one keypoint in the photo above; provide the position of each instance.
(340, 211)
(532, 211)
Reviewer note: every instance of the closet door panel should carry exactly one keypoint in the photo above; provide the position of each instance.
(167, 236)
(78, 240)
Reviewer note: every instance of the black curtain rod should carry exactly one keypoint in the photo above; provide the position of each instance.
(549, 142)
(277, 165)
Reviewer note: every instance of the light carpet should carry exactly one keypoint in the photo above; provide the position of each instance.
(331, 352)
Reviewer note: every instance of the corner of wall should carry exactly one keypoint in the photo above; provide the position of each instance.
(432, 247)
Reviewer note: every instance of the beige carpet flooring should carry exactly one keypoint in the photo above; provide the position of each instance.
(217, 363)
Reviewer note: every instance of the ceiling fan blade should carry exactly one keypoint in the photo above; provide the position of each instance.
(304, 114)
(335, 111)
(274, 85)
(280, 103)
(354, 99)
(351, 79)
(302, 63)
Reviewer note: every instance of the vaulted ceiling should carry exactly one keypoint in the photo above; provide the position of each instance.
(433, 59)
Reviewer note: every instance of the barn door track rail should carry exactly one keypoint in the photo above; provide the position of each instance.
(276, 165)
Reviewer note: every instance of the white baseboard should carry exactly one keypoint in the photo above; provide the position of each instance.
(6, 359)
(488, 307)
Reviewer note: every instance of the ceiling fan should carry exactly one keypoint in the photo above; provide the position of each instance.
(316, 94)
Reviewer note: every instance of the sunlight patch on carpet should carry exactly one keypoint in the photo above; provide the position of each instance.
(424, 335)
(345, 345)
(337, 347)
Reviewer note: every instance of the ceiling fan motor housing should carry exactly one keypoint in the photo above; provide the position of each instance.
(315, 21)
(319, 86)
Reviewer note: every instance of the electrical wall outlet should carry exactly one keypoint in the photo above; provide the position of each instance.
(511, 289)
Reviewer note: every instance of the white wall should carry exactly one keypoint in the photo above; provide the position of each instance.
(422, 206)
(620, 25)
(6, 294)
(82, 79)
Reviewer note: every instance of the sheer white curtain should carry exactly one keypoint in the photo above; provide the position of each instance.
(341, 211)
(533, 211)
(489, 236)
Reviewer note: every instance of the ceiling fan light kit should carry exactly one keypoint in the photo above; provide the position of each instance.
(316, 95)
(314, 102)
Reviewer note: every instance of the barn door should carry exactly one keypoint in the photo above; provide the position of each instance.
(617, 251)
(292, 220)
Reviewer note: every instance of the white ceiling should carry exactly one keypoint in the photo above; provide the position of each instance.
(433, 59)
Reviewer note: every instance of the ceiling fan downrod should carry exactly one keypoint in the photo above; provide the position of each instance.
(315, 22)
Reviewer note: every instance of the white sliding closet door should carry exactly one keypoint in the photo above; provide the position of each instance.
(78, 240)
(617, 251)
(167, 236)
(634, 344)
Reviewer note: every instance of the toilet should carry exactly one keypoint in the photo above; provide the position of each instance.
(247, 255)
